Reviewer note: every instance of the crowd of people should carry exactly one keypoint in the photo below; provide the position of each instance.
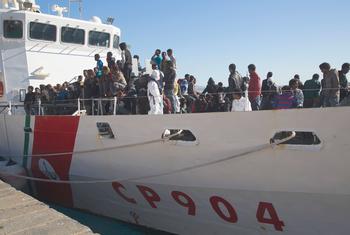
(113, 83)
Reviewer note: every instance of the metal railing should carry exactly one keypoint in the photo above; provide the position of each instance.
(95, 106)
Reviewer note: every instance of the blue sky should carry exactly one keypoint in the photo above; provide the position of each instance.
(285, 37)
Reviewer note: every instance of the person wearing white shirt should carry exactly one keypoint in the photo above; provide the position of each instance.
(157, 75)
(154, 97)
(240, 103)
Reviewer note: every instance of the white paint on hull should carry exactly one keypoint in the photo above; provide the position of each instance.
(308, 187)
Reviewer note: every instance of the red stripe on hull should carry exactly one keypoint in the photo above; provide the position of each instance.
(54, 134)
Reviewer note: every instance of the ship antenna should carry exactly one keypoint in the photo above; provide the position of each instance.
(80, 2)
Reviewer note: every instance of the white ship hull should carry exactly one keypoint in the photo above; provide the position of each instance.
(229, 181)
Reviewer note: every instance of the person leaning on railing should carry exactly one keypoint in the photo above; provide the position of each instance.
(311, 92)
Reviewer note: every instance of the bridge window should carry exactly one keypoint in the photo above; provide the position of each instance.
(116, 41)
(99, 39)
(73, 35)
(13, 29)
(40, 31)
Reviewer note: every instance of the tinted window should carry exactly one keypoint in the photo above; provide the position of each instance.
(116, 41)
(72, 35)
(99, 39)
(41, 31)
(13, 29)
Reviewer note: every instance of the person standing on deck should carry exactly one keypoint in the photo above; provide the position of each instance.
(169, 81)
(344, 84)
(254, 88)
(139, 67)
(157, 75)
(193, 95)
(154, 97)
(184, 85)
(297, 93)
(235, 79)
(211, 87)
(89, 90)
(127, 61)
(165, 58)
(177, 94)
(110, 60)
(240, 103)
(331, 86)
(99, 66)
(170, 54)
(300, 83)
(311, 91)
(156, 58)
(29, 100)
(268, 90)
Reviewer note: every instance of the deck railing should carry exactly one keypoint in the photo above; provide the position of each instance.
(96, 106)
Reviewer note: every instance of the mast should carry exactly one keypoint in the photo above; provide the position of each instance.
(80, 2)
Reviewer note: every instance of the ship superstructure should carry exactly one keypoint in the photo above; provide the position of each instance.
(38, 48)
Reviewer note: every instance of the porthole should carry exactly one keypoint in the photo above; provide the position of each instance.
(179, 135)
(105, 130)
(297, 140)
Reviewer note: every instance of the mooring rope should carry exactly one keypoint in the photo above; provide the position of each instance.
(273, 143)
(164, 139)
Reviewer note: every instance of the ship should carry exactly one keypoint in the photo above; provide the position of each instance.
(266, 172)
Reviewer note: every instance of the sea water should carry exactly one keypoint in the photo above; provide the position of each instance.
(105, 226)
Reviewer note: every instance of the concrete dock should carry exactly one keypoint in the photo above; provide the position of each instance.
(22, 214)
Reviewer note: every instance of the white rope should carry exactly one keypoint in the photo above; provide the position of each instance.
(240, 154)
(164, 139)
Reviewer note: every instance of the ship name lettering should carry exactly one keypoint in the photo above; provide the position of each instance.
(265, 214)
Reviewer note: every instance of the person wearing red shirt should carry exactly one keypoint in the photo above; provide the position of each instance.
(254, 90)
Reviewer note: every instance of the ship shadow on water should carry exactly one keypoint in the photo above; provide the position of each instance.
(105, 226)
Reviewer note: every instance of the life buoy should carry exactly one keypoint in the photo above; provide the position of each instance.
(1, 89)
